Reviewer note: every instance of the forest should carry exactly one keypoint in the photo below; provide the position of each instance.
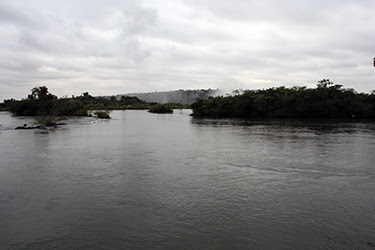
(327, 100)
(42, 103)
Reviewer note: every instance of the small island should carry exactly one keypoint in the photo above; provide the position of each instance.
(161, 109)
(102, 114)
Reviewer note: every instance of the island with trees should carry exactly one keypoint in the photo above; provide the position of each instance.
(161, 109)
(328, 100)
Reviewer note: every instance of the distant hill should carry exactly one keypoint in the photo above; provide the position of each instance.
(177, 96)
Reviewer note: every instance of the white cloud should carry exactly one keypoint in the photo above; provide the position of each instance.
(110, 47)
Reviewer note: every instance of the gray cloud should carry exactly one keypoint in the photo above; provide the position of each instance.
(109, 47)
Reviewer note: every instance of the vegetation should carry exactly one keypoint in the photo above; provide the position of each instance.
(42, 103)
(102, 114)
(49, 121)
(161, 109)
(328, 100)
(3, 107)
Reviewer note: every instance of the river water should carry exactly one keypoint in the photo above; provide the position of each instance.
(168, 181)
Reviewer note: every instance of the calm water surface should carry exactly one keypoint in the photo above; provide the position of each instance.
(144, 180)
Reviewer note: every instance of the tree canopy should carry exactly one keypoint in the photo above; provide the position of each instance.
(328, 100)
(42, 103)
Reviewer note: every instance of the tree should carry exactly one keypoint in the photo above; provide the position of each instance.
(41, 93)
(297, 102)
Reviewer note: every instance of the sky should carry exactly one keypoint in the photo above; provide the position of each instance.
(113, 47)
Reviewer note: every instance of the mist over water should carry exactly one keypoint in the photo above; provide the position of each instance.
(143, 180)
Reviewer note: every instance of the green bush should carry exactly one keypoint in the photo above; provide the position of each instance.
(161, 109)
(102, 114)
(49, 121)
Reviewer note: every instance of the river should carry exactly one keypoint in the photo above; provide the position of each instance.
(169, 181)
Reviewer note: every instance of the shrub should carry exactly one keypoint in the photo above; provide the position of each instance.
(161, 109)
(102, 114)
(49, 121)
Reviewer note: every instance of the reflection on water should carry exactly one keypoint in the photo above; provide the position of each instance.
(144, 180)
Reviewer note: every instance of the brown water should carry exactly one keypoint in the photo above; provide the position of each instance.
(144, 180)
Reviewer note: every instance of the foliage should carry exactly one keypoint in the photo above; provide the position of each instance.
(3, 107)
(38, 103)
(49, 121)
(161, 109)
(41, 103)
(102, 114)
(325, 101)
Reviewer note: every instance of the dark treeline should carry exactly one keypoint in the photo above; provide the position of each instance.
(328, 100)
(42, 103)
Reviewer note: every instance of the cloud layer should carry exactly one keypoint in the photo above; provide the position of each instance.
(111, 47)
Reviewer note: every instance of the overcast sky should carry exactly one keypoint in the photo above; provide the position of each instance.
(112, 47)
